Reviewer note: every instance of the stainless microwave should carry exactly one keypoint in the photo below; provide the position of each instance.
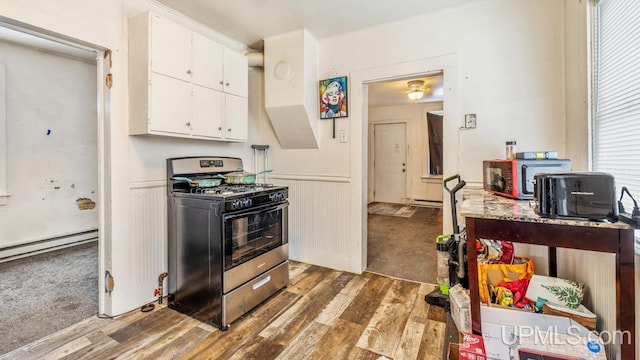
(515, 178)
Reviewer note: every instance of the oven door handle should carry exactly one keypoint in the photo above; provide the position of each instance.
(256, 210)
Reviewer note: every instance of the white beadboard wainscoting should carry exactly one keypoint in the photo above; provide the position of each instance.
(147, 245)
(596, 270)
(319, 220)
(319, 227)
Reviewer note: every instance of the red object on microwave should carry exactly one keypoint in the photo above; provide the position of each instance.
(515, 178)
(501, 177)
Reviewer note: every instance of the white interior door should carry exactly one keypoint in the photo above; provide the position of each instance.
(390, 160)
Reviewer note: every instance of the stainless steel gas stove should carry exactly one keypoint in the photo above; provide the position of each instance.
(228, 244)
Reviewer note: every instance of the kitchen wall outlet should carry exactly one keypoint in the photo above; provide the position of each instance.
(470, 121)
(343, 136)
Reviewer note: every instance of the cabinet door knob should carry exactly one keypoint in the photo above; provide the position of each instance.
(219, 127)
(189, 72)
(229, 129)
(221, 82)
(188, 123)
(227, 84)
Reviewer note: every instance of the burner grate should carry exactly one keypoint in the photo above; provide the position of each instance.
(224, 189)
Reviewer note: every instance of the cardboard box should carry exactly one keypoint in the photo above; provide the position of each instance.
(460, 308)
(506, 332)
(557, 291)
(472, 348)
(454, 351)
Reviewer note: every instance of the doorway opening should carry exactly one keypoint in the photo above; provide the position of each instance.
(53, 183)
(404, 203)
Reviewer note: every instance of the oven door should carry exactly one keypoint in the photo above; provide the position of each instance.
(254, 241)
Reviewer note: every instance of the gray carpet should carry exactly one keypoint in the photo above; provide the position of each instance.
(404, 247)
(42, 294)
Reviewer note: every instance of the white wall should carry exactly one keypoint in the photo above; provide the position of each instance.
(511, 69)
(48, 172)
(506, 64)
(576, 83)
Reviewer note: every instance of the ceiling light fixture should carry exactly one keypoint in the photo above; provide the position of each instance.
(416, 89)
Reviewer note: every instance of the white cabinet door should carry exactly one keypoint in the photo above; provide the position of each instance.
(208, 112)
(207, 62)
(236, 115)
(236, 73)
(170, 105)
(170, 49)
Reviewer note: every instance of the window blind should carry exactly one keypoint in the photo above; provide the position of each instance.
(616, 119)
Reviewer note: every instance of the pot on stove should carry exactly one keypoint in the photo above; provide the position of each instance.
(200, 183)
(241, 177)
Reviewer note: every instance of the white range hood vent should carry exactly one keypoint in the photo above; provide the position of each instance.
(291, 88)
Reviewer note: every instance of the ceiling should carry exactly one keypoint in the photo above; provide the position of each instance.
(394, 92)
(250, 21)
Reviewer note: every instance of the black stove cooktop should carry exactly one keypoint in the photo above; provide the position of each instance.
(235, 197)
(224, 189)
(239, 197)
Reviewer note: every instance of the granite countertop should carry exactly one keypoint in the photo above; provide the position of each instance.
(483, 204)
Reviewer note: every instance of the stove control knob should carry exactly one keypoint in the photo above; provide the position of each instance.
(247, 202)
(281, 196)
(272, 197)
(236, 204)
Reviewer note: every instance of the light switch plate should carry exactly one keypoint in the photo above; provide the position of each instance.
(343, 136)
(470, 121)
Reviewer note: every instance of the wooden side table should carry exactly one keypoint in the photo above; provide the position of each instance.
(510, 220)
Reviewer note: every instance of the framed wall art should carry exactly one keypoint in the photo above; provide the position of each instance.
(333, 98)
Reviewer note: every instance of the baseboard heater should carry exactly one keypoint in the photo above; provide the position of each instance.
(426, 203)
(18, 251)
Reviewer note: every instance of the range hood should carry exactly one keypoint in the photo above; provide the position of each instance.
(291, 88)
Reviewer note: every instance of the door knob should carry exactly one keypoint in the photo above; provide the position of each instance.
(229, 129)
(219, 127)
(221, 82)
(189, 72)
(188, 123)
(403, 170)
(227, 84)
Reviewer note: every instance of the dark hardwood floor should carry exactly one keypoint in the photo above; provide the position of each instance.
(322, 314)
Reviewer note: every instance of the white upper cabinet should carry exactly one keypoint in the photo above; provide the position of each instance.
(207, 62)
(170, 49)
(208, 112)
(169, 116)
(235, 126)
(184, 84)
(236, 76)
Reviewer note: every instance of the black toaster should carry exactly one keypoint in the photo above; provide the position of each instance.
(584, 195)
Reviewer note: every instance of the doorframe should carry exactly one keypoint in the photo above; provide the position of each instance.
(103, 121)
(360, 80)
(406, 153)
